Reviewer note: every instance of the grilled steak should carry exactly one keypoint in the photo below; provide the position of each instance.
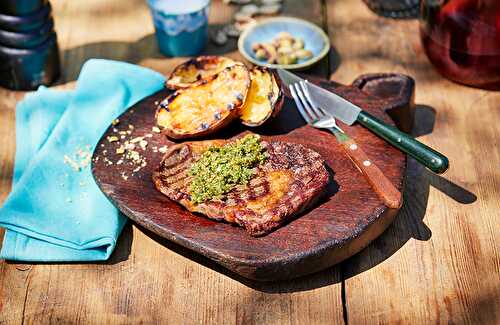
(288, 182)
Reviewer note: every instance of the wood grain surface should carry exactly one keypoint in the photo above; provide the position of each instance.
(346, 218)
(437, 263)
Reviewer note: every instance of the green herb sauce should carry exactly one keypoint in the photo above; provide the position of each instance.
(221, 168)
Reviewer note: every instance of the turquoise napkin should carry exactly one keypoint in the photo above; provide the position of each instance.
(55, 213)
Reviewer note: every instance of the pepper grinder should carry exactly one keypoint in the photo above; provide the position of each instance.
(29, 54)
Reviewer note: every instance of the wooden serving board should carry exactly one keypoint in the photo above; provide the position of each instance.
(345, 221)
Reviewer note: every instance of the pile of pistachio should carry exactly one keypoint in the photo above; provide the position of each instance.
(284, 49)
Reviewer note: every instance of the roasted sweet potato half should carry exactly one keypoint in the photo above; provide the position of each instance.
(196, 69)
(264, 99)
(206, 106)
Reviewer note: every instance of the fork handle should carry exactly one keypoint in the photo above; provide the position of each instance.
(379, 182)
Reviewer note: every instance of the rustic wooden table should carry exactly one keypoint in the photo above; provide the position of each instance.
(437, 263)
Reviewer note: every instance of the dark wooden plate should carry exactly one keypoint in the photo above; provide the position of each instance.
(346, 219)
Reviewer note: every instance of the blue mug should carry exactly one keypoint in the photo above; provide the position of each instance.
(181, 26)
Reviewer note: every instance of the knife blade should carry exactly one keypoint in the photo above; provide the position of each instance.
(334, 104)
(349, 113)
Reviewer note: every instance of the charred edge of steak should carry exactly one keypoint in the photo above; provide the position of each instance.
(171, 176)
(261, 229)
(309, 178)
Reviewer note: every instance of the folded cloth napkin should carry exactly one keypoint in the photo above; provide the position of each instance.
(55, 211)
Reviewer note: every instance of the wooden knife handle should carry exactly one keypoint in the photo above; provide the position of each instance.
(379, 182)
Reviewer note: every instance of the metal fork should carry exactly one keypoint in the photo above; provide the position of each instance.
(316, 117)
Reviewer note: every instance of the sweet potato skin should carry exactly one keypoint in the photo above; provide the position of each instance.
(280, 95)
(188, 73)
(275, 98)
(205, 107)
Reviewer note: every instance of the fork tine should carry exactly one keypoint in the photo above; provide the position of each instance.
(299, 105)
(333, 121)
(319, 113)
(307, 106)
(322, 113)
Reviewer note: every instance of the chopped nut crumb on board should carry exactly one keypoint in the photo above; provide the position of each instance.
(129, 148)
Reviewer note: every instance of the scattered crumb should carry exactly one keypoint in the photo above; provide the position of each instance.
(73, 164)
(135, 159)
(115, 122)
(143, 144)
(85, 156)
(129, 146)
(108, 162)
(137, 139)
(134, 156)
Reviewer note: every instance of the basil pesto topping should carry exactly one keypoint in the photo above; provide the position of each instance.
(221, 168)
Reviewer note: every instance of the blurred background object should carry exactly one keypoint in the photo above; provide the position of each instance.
(394, 8)
(460, 37)
(462, 40)
(29, 55)
(181, 30)
(21, 7)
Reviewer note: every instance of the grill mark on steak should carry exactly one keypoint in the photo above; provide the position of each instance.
(287, 183)
(177, 170)
(175, 156)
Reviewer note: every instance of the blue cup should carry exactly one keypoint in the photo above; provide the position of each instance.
(181, 26)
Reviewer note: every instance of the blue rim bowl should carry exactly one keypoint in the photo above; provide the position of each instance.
(315, 40)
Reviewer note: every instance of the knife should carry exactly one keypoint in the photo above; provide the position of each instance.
(349, 113)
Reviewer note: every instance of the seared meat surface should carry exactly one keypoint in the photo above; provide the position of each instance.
(291, 179)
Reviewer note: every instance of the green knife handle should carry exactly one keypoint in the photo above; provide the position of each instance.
(429, 157)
